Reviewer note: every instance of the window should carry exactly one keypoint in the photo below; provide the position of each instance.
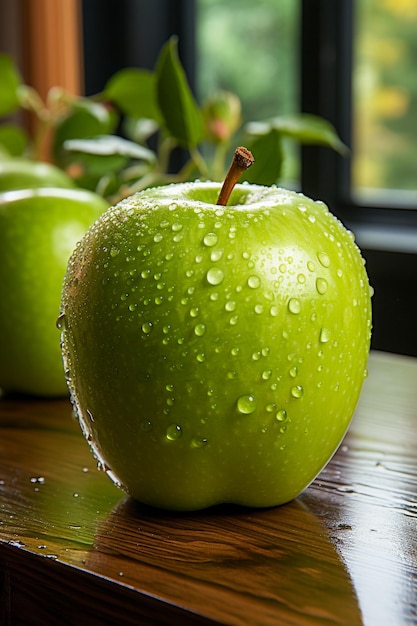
(385, 102)
(386, 227)
(252, 49)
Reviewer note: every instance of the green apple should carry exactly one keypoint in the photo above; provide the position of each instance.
(38, 231)
(25, 174)
(215, 353)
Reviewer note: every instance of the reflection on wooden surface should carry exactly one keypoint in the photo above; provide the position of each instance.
(74, 550)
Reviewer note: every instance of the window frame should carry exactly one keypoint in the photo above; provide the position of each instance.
(327, 32)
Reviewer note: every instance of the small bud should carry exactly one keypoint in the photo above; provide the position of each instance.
(222, 116)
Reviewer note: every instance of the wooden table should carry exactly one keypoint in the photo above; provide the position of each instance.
(75, 550)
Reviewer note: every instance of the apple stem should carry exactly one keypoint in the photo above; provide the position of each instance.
(242, 159)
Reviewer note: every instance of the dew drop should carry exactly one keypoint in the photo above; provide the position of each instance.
(293, 372)
(216, 255)
(147, 328)
(294, 306)
(254, 282)
(114, 251)
(230, 306)
(201, 357)
(273, 311)
(158, 237)
(200, 330)
(173, 432)
(310, 266)
(198, 442)
(215, 276)
(281, 415)
(145, 426)
(246, 404)
(176, 227)
(321, 286)
(194, 311)
(324, 259)
(301, 279)
(325, 335)
(297, 391)
(210, 240)
(266, 375)
(60, 323)
(259, 309)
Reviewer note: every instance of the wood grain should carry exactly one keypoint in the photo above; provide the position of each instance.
(75, 550)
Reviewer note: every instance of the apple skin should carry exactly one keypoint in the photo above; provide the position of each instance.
(215, 354)
(25, 174)
(38, 232)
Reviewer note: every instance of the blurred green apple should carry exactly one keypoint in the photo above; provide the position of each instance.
(215, 354)
(25, 174)
(38, 231)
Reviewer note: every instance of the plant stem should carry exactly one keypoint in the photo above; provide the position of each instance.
(242, 159)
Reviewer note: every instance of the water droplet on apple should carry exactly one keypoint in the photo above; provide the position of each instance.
(215, 276)
(281, 415)
(200, 330)
(198, 442)
(146, 426)
(114, 251)
(173, 432)
(254, 281)
(147, 328)
(273, 311)
(158, 237)
(234, 320)
(294, 306)
(324, 259)
(325, 335)
(301, 279)
(297, 391)
(256, 356)
(210, 240)
(234, 351)
(310, 266)
(321, 286)
(266, 375)
(230, 306)
(216, 255)
(60, 322)
(246, 404)
(293, 372)
(194, 311)
(176, 227)
(201, 357)
(259, 309)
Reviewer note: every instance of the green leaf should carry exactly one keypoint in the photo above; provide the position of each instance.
(134, 92)
(108, 145)
(304, 128)
(9, 85)
(268, 155)
(181, 114)
(86, 119)
(13, 139)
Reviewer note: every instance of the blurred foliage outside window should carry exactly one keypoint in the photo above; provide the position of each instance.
(385, 100)
(251, 49)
